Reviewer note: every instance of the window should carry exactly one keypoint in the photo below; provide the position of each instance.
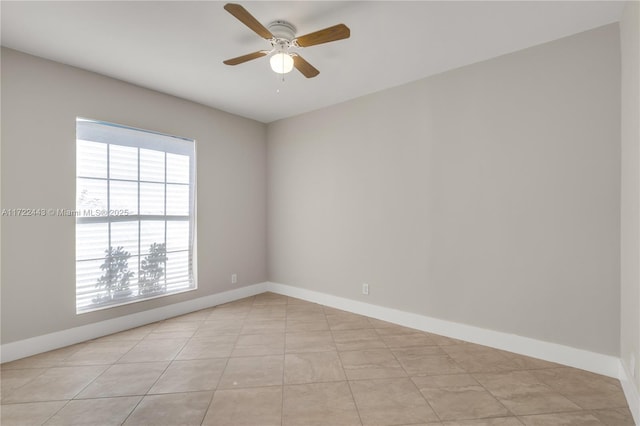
(135, 215)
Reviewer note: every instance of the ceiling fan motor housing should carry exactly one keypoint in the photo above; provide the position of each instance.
(282, 30)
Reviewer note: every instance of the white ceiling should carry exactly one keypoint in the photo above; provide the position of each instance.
(177, 47)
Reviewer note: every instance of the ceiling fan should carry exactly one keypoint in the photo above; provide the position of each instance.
(281, 35)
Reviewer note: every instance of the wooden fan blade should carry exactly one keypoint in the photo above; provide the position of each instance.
(304, 67)
(245, 58)
(337, 32)
(246, 18)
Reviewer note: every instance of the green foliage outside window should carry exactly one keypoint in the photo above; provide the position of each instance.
(116, 275)
(152, 269)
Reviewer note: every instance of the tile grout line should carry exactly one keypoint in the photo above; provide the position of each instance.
(284, 363)
(530, 368)
(353, 397)
(498, 400)
(163, 372)
(77, 393)
(146, 392)
(414, 385)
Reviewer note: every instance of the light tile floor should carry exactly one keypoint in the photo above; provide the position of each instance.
(274, 360)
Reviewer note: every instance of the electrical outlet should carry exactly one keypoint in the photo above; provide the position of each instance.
(365, 288)
(234, 278)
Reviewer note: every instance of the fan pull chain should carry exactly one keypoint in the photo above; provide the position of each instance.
(283, 68)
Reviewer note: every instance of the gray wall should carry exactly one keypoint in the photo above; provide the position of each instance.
(40, 102)
(630, 226)
(488, 195)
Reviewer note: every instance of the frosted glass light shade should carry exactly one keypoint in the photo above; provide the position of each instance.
(281, 63)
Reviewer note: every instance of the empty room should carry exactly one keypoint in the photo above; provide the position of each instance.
(301, 213)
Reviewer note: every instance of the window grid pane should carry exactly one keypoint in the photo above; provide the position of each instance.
(151, 165)
(123, 162)
(91, 159)
(152, 198)
(126, 248)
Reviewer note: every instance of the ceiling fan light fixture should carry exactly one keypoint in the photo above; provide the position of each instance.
(282, 36)
(281, 63)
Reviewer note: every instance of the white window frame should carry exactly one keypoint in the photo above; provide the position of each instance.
(112, 134)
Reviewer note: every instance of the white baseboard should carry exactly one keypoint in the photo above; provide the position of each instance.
(630, 392)
(597, 363)
(35, 345)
